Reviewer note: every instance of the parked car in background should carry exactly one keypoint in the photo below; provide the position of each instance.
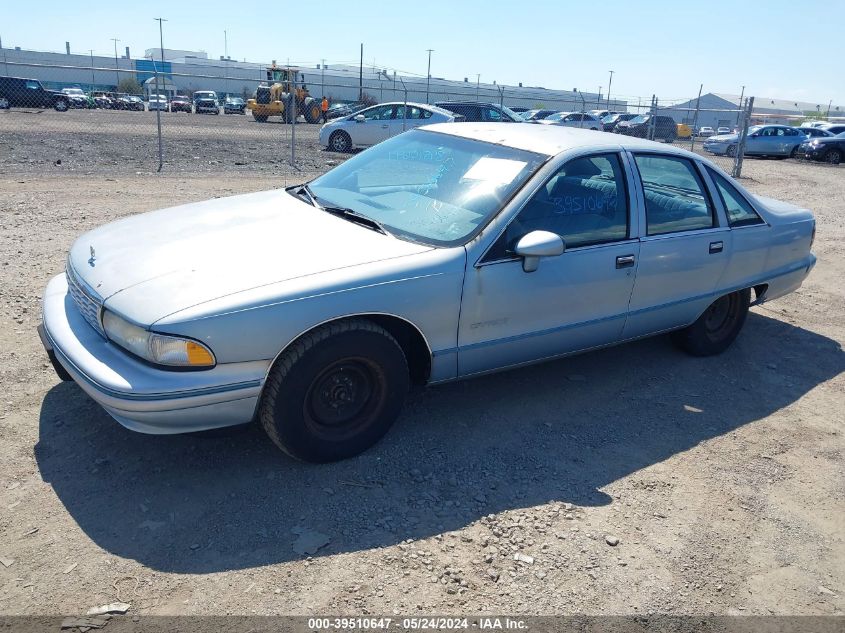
(600, 114)
(518, 109)
(103, 100)
(4, 103)
(78, 99)
(20, 92)
(663, 128)
(472, 111)
(206, 101)
(834, 128)
(343, 109)
(441, 254)
(181, 103)
(157, 102)
(814, 123)
(536, 115)
(723, 130)
(609, 122)
(830, 149)
(572, 119)
(378, 123)
(130, 102)
(234, 105)
(705, 130)
(813, 132)
(781, 141)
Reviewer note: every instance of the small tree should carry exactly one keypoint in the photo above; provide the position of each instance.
(368, 99)
(129, 85)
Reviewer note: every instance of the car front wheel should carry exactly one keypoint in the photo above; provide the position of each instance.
(61, 105)
(716, 329)
(340, 141)
(335, 392)
(833, 156)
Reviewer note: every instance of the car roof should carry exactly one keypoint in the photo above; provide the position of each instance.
(549, 139)
(413, 104)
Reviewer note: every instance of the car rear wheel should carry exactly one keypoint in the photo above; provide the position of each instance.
(731, 151)
(335, 392)
(260, 118)
(833, 156)
(716, 329)
(61, 105)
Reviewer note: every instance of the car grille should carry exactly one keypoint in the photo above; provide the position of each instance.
(88, 304)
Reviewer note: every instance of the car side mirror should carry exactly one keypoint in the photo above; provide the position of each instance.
(360, 118)
(536, 244)
(753, 135)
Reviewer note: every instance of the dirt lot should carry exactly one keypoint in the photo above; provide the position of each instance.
(721, 478)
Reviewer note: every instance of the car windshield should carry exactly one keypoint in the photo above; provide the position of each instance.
(73, 91)
(642, 118)
(204, 95)
(840, 135)
(557, 116)
(428, 187)
(755, 128)
(513, 115)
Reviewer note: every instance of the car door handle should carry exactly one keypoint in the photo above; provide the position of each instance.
(625, 261)
(385, 126)
(716, 247)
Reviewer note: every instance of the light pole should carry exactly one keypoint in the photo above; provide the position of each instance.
(477, 82)
(226, 57)
(742, 94)
(116, 73)
(322, 78)
(598, 98)
(609, 84)
(428, 74)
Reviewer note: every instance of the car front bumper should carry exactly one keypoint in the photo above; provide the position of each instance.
(811, 152)
(140, 396)
(716, 148)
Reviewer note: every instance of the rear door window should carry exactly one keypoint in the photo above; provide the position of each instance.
(739, 210)
(675, 196)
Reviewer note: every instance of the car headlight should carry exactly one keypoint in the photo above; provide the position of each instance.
(161, 349)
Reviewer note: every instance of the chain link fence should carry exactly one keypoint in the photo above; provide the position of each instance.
(126, 120)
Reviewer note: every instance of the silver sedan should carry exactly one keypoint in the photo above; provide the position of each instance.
(762, 140)
(440, 254)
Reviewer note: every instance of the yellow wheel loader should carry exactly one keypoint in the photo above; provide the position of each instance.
(284, 88)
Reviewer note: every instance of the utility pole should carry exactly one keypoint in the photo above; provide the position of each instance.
(158, 100)
(116, 73)
(226, 57)
(598, 98)
(322, 78)
(742, 94)
(91, 50)
(829, 103)
(428, 74)
(477, 82)
(361, 75)
(609, 84)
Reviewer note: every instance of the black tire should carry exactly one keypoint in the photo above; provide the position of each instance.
(794, 152)
(313, 114)
(731, 151)
(716, 329)
(261, 118)
(61, 105)
(833, 156)
(340, 141)
(335, 392)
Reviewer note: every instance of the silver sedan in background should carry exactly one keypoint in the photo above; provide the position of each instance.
(378, 123)
(763, 140)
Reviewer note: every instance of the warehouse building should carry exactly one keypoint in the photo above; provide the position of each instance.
(188, 71)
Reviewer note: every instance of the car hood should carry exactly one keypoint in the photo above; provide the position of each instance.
(723, 137)
(151, 265)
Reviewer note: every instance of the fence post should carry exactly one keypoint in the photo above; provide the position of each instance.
(651, 119)
(293, 122)
(743, 135)
(695, 118)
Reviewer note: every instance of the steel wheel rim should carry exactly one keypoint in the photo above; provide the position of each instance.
(338, 143)
(344, 398)
(720, 316)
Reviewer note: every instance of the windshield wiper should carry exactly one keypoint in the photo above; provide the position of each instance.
(357, 218)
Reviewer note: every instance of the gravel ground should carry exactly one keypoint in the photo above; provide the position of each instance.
(633, 480)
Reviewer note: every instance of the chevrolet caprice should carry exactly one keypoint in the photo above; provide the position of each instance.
(443, 253)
